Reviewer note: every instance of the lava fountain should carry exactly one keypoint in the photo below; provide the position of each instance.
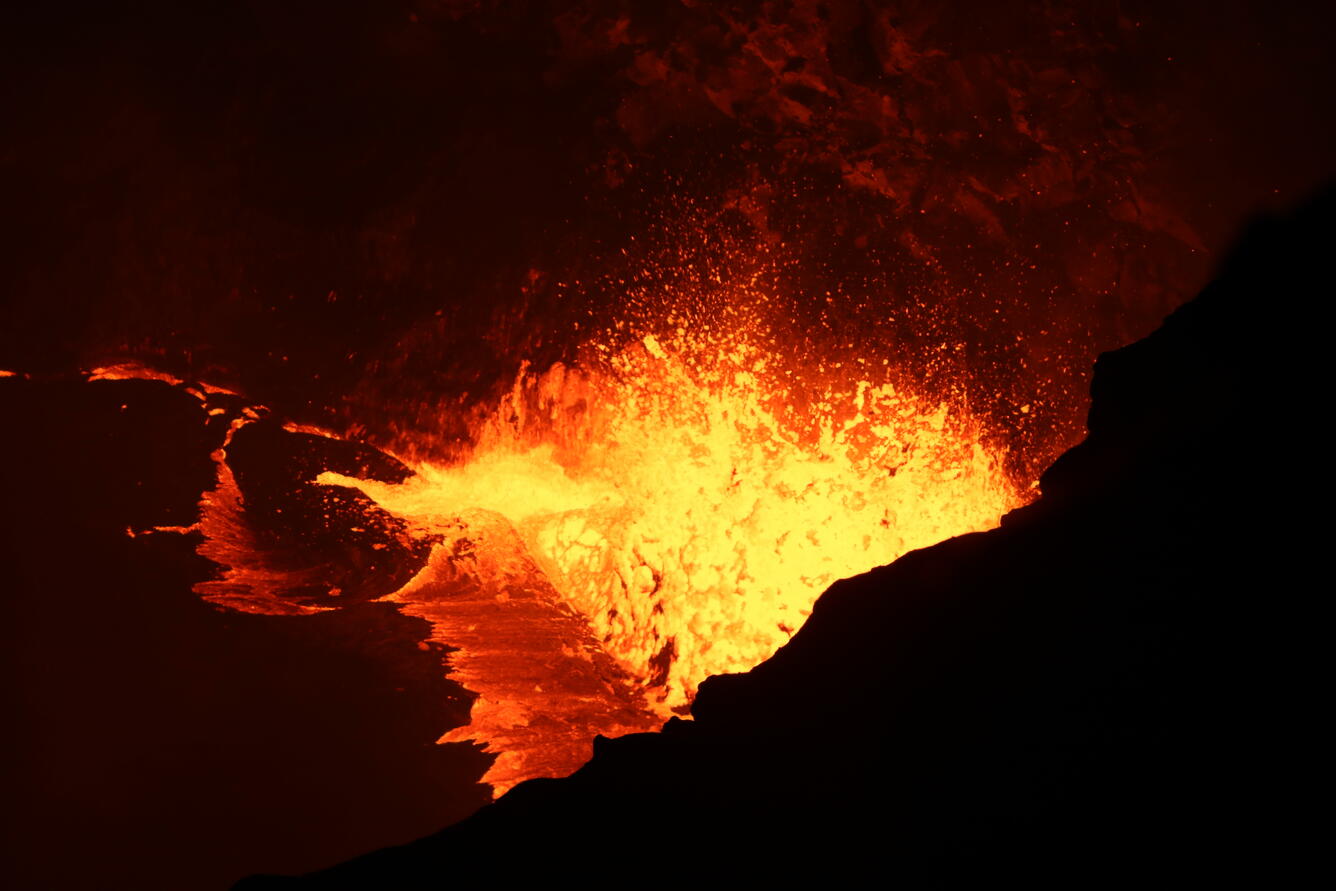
(666, 508)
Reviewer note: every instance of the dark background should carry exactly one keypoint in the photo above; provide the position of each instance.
(353, 211)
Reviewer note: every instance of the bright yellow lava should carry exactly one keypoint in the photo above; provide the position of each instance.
(693, 508)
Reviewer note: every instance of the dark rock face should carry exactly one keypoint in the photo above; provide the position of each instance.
(1116, 685)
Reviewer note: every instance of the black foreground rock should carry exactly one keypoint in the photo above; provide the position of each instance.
(1120, 684)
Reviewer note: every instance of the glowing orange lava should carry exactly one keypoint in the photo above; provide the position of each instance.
(691, 504)
(667, 507)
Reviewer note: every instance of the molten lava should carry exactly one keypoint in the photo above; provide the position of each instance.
(690, 505)
(666, 507)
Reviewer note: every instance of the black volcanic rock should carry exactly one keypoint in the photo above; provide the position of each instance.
(1119, 684)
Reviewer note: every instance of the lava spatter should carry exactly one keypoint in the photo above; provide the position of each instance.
(665, 508)
(690, 505)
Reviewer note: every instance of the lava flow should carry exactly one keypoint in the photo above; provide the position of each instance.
(662, 511)
(666, 506)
